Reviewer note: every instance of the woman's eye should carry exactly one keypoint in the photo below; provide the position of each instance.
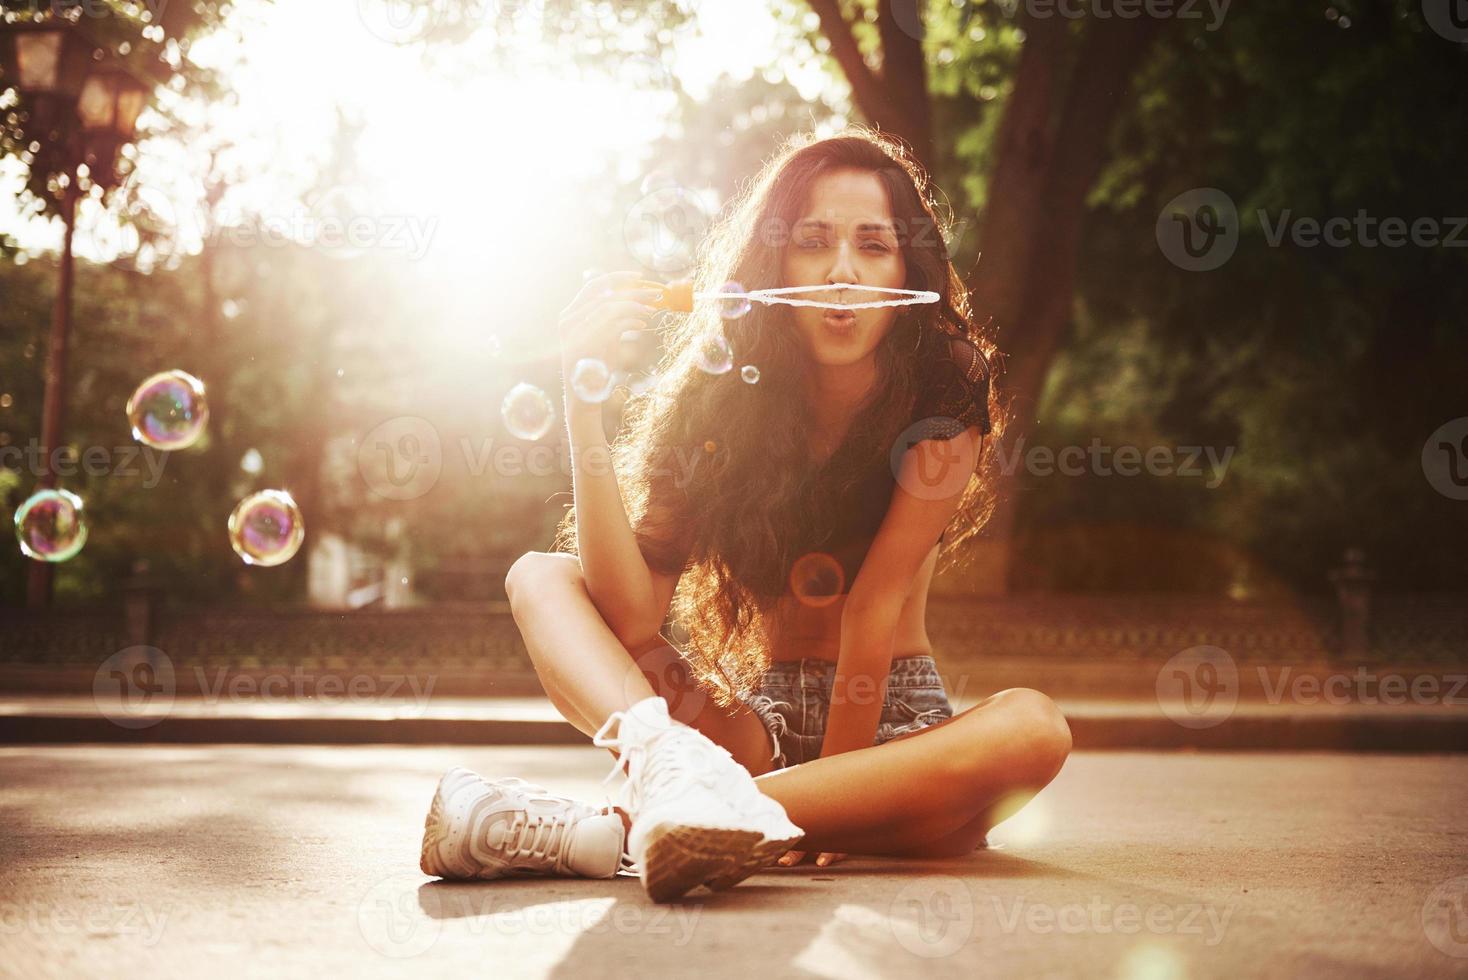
(878, 246)
(812, 243)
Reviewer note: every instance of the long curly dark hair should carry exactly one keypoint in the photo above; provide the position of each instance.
(717, 474)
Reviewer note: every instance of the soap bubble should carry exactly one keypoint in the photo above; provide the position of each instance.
(266, 528)
(168, 410)
(735, 306)
(50, 525)
(527, 411)
(713, 353)
(749, 373)
(591, 380)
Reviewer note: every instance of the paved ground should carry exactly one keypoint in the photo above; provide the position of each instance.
(298, 860)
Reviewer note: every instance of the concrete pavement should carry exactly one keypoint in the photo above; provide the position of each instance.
(224, 861)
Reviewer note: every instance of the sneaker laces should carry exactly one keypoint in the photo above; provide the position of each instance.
(538, 838)
(654, 764)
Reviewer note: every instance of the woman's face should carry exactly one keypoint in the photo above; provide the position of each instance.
(845, 234)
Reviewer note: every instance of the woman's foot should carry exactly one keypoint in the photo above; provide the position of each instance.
(508, 827)
(695, 819)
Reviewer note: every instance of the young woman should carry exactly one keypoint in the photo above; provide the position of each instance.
(791, 526)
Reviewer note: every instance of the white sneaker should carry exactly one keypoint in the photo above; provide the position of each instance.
(693, 820)
(509, 827)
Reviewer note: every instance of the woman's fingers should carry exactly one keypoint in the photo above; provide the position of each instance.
(828, 858)
(599, 287)
(791, 858)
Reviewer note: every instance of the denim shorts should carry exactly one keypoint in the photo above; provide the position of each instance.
(793, 700)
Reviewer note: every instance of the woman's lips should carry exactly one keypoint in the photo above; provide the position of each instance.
(840, 321)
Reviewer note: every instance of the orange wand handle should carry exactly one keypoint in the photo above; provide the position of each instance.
(676, 296)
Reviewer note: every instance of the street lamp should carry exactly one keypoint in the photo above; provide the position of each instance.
(81, 109)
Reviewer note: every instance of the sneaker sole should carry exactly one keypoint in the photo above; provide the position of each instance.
(679, 857)
(764, 854)
(445, 853)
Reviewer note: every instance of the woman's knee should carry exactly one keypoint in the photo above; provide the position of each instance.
(1036, 727)
(535, 571)
(1023, 732)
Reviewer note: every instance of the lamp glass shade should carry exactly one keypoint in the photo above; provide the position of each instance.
(130, 102)
(97, 105)
(38, 56)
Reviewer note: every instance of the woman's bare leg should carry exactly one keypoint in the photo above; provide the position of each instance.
(588, 673)
(934, 792)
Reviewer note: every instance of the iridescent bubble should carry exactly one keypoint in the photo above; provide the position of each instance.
(735, 306)
(50, 525)
(266, 528)
(749, 373)
(816, 579)
(168, 410)
(713, 353)
(527, 411)
(591, 380)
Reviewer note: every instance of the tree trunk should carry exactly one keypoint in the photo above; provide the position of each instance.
(1051, 145)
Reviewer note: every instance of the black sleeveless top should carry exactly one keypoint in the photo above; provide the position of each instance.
(953, 394)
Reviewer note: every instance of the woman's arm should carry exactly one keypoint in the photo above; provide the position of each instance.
(929, 488)
(618, 579)
(624, 589)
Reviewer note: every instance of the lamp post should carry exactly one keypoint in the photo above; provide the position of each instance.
(81, 108)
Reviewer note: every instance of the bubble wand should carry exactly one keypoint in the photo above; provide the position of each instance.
(679, 296)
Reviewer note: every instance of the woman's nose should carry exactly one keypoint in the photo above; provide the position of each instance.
(842, 269)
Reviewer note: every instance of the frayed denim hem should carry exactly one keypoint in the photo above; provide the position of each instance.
(764, 706)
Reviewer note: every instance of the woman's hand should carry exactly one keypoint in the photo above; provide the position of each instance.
(594, 321)
(825, 859)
